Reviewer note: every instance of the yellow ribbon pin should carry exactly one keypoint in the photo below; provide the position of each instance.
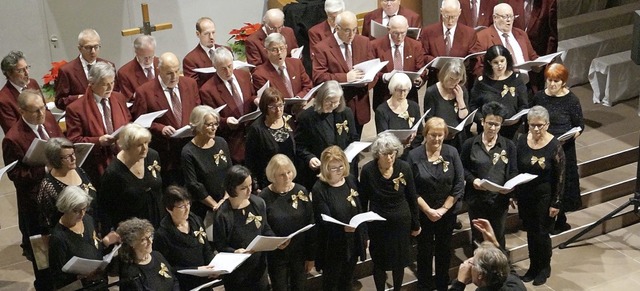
(254, 218)
(342, 126)
(153, 168)
(351, 197)
(164, 271)
(506, 90)
(295, 197)
(219, 156)
(501, 156)
(445, 164)
(398, 180)
(200, 234)
(540, 161)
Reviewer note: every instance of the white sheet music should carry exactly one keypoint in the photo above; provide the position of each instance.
(509, 185)
(143, 120)
(355, 148)
(515, 118)
(356, 220)
(569, 134)
(222, 263)
(467, 120)
(183, 132)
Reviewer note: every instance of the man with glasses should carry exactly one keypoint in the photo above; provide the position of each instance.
(273, 21)
(72, 83)
(142, 68)
(403, 54)
(325, 29)
(16, 69)
(477, 13)
(201, 55)
(35, 122)
(388, 9)
(503, 33)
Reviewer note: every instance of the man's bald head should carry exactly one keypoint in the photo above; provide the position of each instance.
(347, 26)
(169, 67)
(398, 27)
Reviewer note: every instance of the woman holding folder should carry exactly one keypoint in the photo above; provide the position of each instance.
(288, 210)
(336, 194)
(400, 113)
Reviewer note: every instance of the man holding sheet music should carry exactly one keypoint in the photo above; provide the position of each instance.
(387, 10)
(403, 54)
(233, 88)
(177, 94)
(36, 122)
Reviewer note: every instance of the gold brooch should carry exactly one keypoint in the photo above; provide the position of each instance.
(340, 126)
(506, 90)
(200, 234)
(351, 198)
(445, 164)
(219, 156)
(254, 218)
(164, 271)
(501, 156)
(398, 180)
(295, 197)
(540, 161)
(153, 168)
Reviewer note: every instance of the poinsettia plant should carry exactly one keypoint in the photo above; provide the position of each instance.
(48, 88)
(239, 36)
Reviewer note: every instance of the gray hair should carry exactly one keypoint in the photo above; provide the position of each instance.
(386, 143)
(10, 61)
(345, 15)
(71, 198)
(130, 232)
(397, 80)
(132, 133)
(271, 14)
(538, 112)
(196, 119)
(453, 68)
(333, 6)
(26, 96)
(144, 41)
(329, 89)
(274, 38)
(399, 20)
(89, 32)
(221, 54)
(53, 150)
(450, 4)
(99, 71)
(492, 263)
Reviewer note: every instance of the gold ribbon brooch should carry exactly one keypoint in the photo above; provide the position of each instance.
(164, 271)
(397, 181)
(445, 164)
(200, 234)
(340, 126)
(540, 161)
(96, 240)
(153, 168)
(220, 155)
(501, 156)
(506, 90)
(351, 197)
(295, 197)
(254, 218)
(409, 119)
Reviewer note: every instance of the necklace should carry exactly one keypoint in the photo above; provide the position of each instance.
(286, 189)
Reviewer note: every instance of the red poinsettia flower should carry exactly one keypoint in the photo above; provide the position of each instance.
(244, 32)
(52, 75)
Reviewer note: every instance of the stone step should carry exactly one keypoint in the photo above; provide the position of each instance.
(596, 21)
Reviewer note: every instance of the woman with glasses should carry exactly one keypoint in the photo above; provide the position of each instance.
(205, 161)
(540, 200)
(328, 122)
(61, 158)
(439, 177)
(501, 84)
(387, 188)
(336, 194)
(75, 234)
(565, 113)
(138, 266)
(492, 157)
(269, 135)
(181, 237)
(398, 112)
(449, 99)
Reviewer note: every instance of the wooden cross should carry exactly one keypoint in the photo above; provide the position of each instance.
(146, 28)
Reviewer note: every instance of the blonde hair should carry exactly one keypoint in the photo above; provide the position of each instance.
(330, 154)
(278, 162)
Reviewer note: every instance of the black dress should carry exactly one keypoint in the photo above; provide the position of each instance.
(157, 275)
(394, 199)
(123, 195)
(235, 229)
(536, 196)
(65, 244)
(565, 113)
(338, 251)
(287, 213)
(204, 172)
(387, 119)
(510, 92)
(263, 143)
(317, 131)
(447, 110)
(184, 250)
(435, 182)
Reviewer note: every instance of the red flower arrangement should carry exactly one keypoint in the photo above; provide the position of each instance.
(48, 88)
(239, 36)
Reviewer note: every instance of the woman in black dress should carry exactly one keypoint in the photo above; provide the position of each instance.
(449, 99)
(539, 201)
(138, 266)
(387, 188)
(439, 178)
(493, 157)
(328, 122)
(565, 113)
(132, 185)
(238, 221)
(61, 157)
(181, 237)
(398, 112)
(288, 210)
(501, 84)
(336, 194)
(270, 134)
(75, 235)
(205, 161)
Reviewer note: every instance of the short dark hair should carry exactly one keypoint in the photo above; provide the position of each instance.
(174, 194)
(271, 95)
(10, 61)
(494, 108)
(235, 177)
(492, 53)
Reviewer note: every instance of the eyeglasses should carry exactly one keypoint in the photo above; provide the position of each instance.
(347, 30)
(276, 106)
(278, 49)
(332, 103)
(37, 110)
(507, 17)
(492, 124)
(398, 33)
(69, 157)
(91, 47)
(183, 206)
(22, 70)
(450, 17)
(212, 124)
(389, 154)
(538, 125)
(383, 1)
(79, 210)
(337, 169)
(147, 239)
(402, 90)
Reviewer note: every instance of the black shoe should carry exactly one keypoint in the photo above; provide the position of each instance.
(541, 278)
(529, 275)
(561, 228)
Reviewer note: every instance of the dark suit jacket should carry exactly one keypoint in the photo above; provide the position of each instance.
(257, 53)
(149, 98)
(72, 82)
(432, 39)
(329, 64)
(543, 25)
(413, 61)
(413, 18)
(485, 15)
(198, 58)
(9, 110)
(317, 33)
(84, 124)
(490, 37)
(300, 81)
(215, 94)
(26, 178)
(131, 76)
